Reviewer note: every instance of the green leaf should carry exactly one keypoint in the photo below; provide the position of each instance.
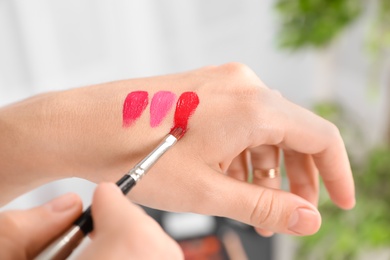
(314, 23)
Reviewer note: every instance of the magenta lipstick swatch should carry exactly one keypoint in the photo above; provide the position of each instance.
(160, 105)
(135, 103)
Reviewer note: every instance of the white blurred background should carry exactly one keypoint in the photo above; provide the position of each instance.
(51, 45)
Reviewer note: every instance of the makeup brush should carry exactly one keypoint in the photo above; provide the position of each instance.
(63, 246)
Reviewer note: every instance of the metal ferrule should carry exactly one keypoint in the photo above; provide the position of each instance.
(143, 166)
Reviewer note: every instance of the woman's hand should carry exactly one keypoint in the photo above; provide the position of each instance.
(122, 230)
(239, 121)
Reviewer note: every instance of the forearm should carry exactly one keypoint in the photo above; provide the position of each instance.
(22, 164)
(73, 133)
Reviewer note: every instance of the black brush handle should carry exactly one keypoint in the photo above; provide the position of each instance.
(126, 183)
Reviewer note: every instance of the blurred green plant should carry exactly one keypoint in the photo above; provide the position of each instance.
(379, 48)
(379, 35)
(345, 234)
(317, 23)
(314, 23)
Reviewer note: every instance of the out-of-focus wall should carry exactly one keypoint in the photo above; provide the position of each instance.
(51, 45)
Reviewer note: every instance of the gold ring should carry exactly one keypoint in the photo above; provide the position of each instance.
(266, 173)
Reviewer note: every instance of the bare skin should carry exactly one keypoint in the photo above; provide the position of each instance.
(23, 234)
(79, 133)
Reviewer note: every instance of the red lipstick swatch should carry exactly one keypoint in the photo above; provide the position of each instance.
(135, 103)
(185, 107)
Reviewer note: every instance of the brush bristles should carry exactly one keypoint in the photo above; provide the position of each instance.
(177, 132)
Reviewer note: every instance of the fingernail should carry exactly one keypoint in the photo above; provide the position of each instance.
(63, 203)
(304, 221)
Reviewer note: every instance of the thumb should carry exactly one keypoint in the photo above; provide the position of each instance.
(24, 233)
(123, 230)
(107, 200)
(275, 210)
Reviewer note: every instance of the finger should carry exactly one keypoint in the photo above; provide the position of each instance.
(340, 186)
(123, 230)
(238, 168)
(271, 209)
(303, 175)
(107, 200)
(29, 231)
(263, 158)
(307, 133)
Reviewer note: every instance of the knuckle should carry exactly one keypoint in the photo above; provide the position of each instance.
(240, 81)
(235, 68)
(240, 71)
(265, 211)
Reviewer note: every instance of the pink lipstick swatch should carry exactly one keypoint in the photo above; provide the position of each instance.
(135, 103)
(160, 105)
